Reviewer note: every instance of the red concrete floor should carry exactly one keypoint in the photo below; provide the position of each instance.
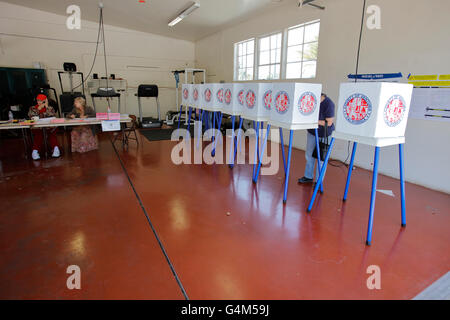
(262, 250)
(76, 210)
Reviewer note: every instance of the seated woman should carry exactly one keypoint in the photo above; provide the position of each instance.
(43, 110)
(83, 137)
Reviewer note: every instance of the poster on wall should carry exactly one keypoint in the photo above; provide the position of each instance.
(430, 104)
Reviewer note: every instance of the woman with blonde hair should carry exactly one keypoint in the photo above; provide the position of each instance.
(83, 137)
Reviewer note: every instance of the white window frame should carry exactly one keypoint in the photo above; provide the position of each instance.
(286, 47)
(236, 59)
(258, 40)
(283, 53)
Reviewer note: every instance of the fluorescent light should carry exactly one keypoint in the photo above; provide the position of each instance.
(184, 14)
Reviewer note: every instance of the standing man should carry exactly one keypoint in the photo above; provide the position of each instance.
(326, 116)
(43, 110)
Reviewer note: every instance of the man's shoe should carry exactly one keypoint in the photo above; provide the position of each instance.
(35, 155)
(56, 152)
(305, 180)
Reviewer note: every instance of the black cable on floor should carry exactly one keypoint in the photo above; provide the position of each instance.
(151, 225)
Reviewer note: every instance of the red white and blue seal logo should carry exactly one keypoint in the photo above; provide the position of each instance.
(227, 96)
(357, 108)
(240, 97)
(207, 95)
(220, 95)
(282, 102)
(185, 93)
(307, 103)
(195, 94)
(267, 99)
(394, 110)
(250, 99)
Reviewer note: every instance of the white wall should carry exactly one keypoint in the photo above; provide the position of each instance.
(414, 38)
(124, 48)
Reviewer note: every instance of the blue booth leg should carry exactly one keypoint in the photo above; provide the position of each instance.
(230, 157)
(256, 149)
(321, 175)
(402, 183)
(255, 179)
(372, 196)
(238, 141)
(318, 156)
(288, 165)
(219, 123)
(179, 116)
(189, 120)
(282, 149)
(350, 169)
(200, 127)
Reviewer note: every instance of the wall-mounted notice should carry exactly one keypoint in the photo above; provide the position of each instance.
(430, 104)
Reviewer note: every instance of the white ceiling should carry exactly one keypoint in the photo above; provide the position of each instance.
(153, 15)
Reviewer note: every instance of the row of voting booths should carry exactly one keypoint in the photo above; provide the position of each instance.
(371, 113)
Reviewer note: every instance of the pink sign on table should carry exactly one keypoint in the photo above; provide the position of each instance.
(101, 116)
(114, 116)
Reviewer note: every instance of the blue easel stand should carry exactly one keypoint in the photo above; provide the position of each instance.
(318, 155)
(350, 170)
(374, 185)
(255, 178)
(287, 166)
(230, 156)
(219, 123)
(238, 141)
(189, 121)
(321, 174)
(402, 183)
(256, 148)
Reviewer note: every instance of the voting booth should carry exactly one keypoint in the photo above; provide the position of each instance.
(372, 113)
(258, 100)
(186, 92)
(231, 105)
(217, 104)
(295, 105)
(195, 96)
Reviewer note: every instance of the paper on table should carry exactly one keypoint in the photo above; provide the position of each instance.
(45, 120)
(58, 120)
(110, 125)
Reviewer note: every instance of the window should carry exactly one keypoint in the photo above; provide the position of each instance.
(287, 54)
(302, 46)
(244, 58)
(269, 57)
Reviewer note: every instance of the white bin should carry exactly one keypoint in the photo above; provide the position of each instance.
(256, 94)
(373, 113)
(195, 95)
(295, 105)
(217, 91)
(231, 103)
(186, 94)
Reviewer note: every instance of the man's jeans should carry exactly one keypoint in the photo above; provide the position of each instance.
(310, 161)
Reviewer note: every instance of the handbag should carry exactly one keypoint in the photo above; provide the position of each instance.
(323, 146)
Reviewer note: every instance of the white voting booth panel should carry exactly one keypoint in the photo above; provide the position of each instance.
(295, 105)
(230, 102)
(195, 96)
(203, 102)
(239, 97)
(373, 113)
(186, 93)
(218, 96)
(257, 101)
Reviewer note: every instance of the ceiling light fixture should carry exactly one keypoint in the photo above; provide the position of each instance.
(184, 14)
